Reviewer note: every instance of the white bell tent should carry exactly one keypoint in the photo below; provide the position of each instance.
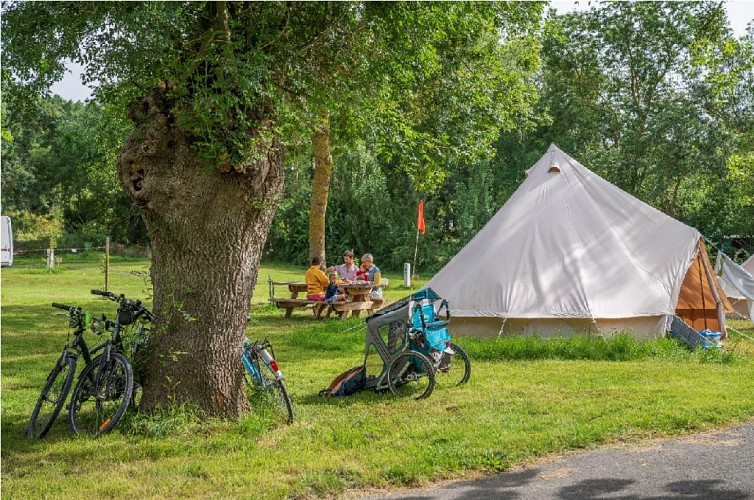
(570, 252)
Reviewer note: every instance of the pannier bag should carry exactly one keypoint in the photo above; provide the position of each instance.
(347, 383)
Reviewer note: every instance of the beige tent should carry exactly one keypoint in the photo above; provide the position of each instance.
(737, 283)
(570, 252)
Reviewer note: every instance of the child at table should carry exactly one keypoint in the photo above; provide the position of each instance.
(362, 273)
(333, 293)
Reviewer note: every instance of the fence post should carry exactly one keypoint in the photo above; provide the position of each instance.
(107, 261)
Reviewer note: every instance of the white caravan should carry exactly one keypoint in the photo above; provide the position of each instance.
(6, 241)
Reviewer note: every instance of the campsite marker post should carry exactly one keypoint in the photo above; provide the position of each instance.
(107, 260)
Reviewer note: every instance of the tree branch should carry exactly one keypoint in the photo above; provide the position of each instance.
(222, 14)
(209, 36)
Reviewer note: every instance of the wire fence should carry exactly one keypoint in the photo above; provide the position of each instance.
(118, 249)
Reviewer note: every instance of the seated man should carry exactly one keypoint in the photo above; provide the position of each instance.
(333, 293)
(316, 281)
(348, 269)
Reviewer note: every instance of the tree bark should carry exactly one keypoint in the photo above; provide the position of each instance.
(208, 224)
(320, 187)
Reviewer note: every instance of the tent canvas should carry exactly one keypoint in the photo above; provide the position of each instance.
(737, 283)
(748, 265)
(570, 252)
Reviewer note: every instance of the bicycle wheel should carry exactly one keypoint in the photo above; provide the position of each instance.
(102, 395)
(268, 394)
(457, 372)
(52, 397)
(411, 374)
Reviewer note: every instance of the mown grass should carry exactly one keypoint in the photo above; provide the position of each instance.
(526, 398)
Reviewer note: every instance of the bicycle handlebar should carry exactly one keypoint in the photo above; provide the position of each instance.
(62, 306)
(134, 305)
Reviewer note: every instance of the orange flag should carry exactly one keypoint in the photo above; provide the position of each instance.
(420, 220)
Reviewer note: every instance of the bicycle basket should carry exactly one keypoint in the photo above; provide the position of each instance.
(126, 316)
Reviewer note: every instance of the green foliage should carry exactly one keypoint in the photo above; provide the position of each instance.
(416, 95)
(29, 226)
(470, 75)
(369, 210)
(630, 96)
(60, 170)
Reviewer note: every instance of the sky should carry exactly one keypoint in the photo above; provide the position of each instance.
(740, 13)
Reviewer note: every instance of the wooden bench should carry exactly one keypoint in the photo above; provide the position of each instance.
(290, 304)
(344, 308)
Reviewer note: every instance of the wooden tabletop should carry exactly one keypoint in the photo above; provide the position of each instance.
(362, 284)
(355, 290)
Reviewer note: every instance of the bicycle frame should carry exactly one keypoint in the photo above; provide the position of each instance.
(129, 311)
(259, 350)
(78, 347)
(259, 362)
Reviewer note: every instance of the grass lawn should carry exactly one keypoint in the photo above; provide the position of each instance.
(523, 401)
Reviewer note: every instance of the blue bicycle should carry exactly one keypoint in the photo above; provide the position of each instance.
(265, 380)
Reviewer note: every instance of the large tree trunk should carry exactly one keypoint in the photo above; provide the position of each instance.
(208, 223)
(320, 187)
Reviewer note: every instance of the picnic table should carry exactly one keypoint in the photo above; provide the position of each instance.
(357, 300)
(292, 302)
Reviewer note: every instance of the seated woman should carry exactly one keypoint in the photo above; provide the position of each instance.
(374, 276)
(316, 281)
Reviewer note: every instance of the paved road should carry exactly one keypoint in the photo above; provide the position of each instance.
(716, 465)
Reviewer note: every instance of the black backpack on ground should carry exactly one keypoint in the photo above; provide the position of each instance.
(347, 383)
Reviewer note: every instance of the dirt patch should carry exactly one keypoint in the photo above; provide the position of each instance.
(557, 474)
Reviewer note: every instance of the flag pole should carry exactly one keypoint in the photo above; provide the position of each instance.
(416, 250)
(419, 227)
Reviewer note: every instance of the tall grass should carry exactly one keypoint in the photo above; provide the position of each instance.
(618, 348)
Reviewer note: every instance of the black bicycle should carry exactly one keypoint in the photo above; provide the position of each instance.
(59, 381)
(106, 386)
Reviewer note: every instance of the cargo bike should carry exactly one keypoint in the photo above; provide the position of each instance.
(411, 338)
